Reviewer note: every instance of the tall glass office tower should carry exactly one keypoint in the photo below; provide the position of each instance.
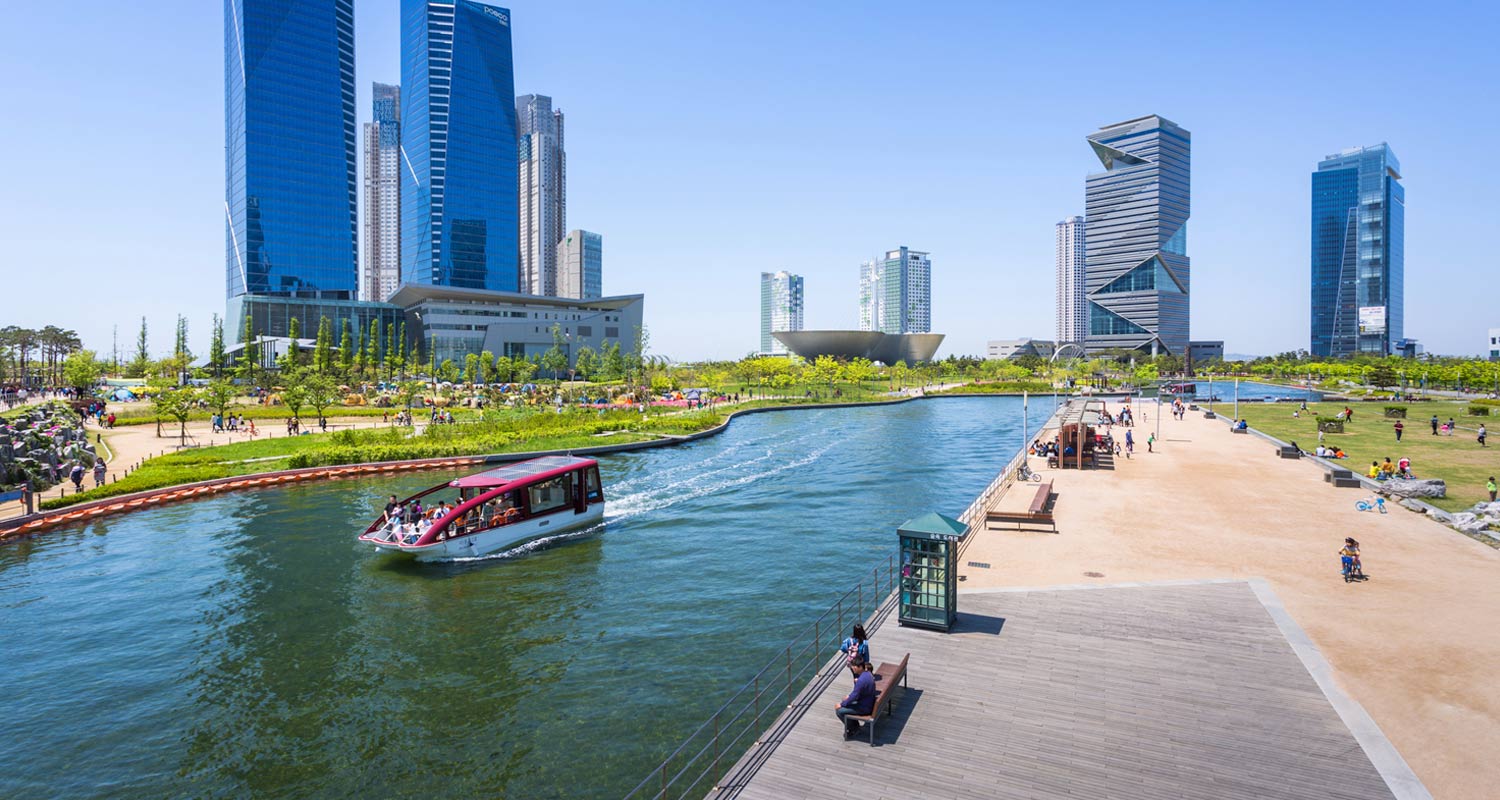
(290, 179)
(458, 141)
(1358, 264)
(1136, 262)
(780, 308)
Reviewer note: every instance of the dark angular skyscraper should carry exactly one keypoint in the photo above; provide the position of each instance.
(1358, 263)
(289, 131)
(459, 215)
(1136, 264)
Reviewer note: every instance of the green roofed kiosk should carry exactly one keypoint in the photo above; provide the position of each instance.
(929, 576)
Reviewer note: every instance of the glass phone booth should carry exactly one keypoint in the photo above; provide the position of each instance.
(929, 574)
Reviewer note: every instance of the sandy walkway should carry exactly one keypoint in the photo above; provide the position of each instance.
(1416, 644)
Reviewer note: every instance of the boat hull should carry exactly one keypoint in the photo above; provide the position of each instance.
(496, 540)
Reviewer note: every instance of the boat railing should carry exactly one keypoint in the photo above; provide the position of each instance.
(792, 679)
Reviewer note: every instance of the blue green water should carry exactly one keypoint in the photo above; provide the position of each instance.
(246, 645)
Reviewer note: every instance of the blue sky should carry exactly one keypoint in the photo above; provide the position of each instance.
(710, 141)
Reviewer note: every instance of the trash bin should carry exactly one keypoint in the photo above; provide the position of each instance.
(929, 576)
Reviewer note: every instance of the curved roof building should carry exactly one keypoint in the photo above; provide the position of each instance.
(887, 348)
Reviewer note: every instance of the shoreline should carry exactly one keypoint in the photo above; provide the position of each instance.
(25, 526)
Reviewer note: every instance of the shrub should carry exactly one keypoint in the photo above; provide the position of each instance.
(1479, 411)
(1330, 425)
(1395, 412)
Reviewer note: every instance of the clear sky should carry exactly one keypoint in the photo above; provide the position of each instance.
(710, 141)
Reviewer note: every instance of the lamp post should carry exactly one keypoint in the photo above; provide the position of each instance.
(1236, 399)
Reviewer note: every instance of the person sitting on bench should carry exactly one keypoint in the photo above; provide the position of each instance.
(1241, 425)
(860, 702)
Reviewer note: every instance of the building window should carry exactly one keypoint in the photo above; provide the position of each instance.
(585, 330)
(611, 333)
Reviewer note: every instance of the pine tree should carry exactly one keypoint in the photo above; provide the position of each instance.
(293, 353)
(180, 345)
(216, 348)
(372, 347)
(346, 347)
(323, 351)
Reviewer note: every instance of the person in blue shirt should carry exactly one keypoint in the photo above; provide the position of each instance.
(856, 649)
(860, 702)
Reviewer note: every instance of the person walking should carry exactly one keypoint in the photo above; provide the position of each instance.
(99, 469)
(1399, 428)
(856, 649)
(1434, 424)
(1490, 487)
(1129, 443)
(860, 702)
(76, 475)
(1482, 433)
(1150, 440)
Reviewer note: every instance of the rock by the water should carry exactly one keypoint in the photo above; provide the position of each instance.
(1431, 487)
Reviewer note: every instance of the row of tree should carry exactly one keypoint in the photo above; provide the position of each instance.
(34, 357)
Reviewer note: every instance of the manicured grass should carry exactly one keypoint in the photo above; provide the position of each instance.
(1457, 459)
(1000, 387)
(506, 431)
(142, 413)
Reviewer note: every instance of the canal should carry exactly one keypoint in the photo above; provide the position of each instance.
(245, 645)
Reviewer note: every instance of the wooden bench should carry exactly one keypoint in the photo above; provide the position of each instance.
(1238, 429)
(886, 676)
(1039, 512)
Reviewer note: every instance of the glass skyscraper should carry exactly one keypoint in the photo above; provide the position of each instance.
(1358, 265)
(459, 215)
(1136, 264)
(1072, 275)
(895, 292)
(780, 308)
(580, 266)
(290, 179)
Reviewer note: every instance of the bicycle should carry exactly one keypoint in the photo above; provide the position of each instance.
(1026, 474)
(1370, 504)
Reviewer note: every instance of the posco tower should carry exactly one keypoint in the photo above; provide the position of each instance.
(1136, 254)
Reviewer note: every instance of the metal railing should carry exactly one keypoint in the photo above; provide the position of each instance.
(792, 679)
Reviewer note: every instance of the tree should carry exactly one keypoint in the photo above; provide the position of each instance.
(180, 343)
(293, 358)
(899, 372)
(586, 362)
(142, 361)
(471, 368)
(486, 367)
(612, 364)
(522, 369)
(219, 395)
(250, 355)
(81, 371)
(388, 363)
(294, 391)
(825, 370)
(346, 349)
(320, 391)
(555, 359)
(448, 371)
(1382, 376)
(323, 350)
(372, 347)
(216, 348)
(172, 402)
(859, 370)
(504, 369)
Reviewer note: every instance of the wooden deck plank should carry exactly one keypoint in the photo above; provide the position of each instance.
(1127, 693)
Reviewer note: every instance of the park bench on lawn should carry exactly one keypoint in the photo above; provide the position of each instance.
(886, 675)
(1039, 512)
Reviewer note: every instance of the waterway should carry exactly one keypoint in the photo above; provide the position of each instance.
(246, 645)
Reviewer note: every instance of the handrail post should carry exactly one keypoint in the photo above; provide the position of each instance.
(789, 696)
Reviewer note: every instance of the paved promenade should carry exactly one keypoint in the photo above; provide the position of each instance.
(1415, 645)
(1149, 692)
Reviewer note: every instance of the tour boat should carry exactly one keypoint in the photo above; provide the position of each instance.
(496, 510)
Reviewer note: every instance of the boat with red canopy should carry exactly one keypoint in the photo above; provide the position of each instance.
(493, 511)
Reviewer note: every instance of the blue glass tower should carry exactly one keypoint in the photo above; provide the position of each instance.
(459, 215)
(1135, 259)
(1358, 264)
(289, 130)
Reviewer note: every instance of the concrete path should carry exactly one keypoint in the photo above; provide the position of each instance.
(1415, 645)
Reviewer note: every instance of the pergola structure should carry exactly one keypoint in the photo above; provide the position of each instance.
(1075, 425)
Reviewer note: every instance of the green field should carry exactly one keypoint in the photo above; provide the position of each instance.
(1457, 459)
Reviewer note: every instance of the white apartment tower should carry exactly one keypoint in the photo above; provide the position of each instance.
(1072, 298)
(542, 168)
(381, 275)
(580, 266)
(895, 292)
(780, 308)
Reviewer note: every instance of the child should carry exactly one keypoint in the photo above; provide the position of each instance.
(1349, 559)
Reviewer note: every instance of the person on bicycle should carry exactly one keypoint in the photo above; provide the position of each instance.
(1349, 559)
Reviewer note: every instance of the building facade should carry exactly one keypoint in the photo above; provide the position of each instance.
(459, 217)
(542, 169)
(454, 322)
(290, 149)
(1205, 351)
(895, 292)
(382, 270)
(1009, 349)
(1492, 350)
(1136, 264)
(580, 266)
(1072, 300)
(1358, 263)
(780, 309)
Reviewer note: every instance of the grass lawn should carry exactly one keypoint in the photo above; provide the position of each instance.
(1457, 459)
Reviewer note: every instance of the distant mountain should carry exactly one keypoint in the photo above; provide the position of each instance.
(1239, 357)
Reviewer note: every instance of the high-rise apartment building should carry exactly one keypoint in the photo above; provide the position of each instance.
(580, 266)
(290, 149)
(459, 220)
(382, 273)
(895, 293)
(1072, 300)
(542, 169)
(780, 308)
(1136, 264)
(1358, 264)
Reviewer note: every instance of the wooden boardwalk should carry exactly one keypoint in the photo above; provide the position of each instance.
(1130, 693)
